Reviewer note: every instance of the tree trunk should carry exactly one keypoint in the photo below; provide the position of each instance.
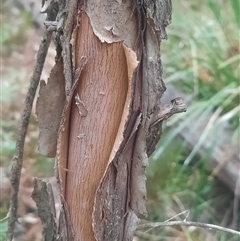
(103, 89)
(112, 116)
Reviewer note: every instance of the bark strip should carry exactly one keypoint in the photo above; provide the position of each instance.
(43, 196)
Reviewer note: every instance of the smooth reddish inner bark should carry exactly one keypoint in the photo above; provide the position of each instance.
(102, 86)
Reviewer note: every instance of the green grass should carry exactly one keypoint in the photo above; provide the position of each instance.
(12, 31)
(201, 58)
(3, 229)
(173, 187)
(202, 55)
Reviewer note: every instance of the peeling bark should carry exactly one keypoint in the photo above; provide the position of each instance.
(43, 196)
(49, 110)
(112, 118)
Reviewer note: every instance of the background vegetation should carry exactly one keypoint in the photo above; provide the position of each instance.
(200, 58)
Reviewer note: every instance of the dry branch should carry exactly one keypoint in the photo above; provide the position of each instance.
(18, 158)
(188, 224)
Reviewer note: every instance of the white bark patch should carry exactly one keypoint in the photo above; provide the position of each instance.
(49, 110)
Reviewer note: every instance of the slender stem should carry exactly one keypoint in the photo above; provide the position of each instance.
(18, 158)
(186, 223)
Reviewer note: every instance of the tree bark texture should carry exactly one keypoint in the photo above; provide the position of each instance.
(103, 88)
(112, 115)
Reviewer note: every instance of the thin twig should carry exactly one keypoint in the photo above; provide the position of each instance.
(66, 48)
(186, 223)
(18, 158)
(177, 215)
(166, 221)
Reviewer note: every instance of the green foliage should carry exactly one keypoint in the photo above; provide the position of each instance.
(201, 58)
(202, 53)
(13, 89)
(12, 31)
(3, 229)
(8, 144)
(11, 84)
(174, 187)
(43, 166)
(236, 10)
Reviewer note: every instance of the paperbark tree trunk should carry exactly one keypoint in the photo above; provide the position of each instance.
(109, 53)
